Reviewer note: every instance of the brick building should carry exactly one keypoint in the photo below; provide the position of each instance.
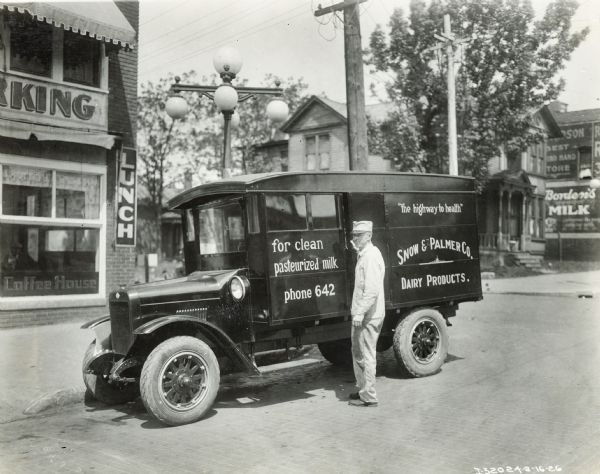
(572, 195)
(68, 90)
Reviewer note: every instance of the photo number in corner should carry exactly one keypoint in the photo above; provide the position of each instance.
(126, 198)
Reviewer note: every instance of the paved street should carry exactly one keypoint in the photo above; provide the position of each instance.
(520, 388)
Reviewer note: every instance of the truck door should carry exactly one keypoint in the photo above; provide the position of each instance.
(305, 247)
(367, 207)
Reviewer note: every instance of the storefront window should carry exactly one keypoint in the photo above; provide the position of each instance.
(81, 59)
(26, 191)
(77, 195)
(31, 47)
(45, 247)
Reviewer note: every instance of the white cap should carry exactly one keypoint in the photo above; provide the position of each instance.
(362, 226)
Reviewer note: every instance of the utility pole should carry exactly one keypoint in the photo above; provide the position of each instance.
(449, 41)
(355, 84)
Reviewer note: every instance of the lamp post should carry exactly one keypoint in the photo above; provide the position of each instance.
(227, 62)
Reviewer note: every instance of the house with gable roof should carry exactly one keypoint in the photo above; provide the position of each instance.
(318, 136)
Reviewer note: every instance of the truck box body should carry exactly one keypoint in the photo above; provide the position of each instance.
(424, 225)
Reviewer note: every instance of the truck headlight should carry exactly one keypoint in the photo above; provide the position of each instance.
(238, 287)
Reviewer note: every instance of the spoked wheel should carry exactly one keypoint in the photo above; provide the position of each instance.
(425, 341)
(180, 380)
(421, 343)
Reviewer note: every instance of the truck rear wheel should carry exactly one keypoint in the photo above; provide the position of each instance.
(180, 380)
(421, 343)
(337, 352)
(99, 387)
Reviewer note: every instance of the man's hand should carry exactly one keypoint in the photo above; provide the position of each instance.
(356, 323)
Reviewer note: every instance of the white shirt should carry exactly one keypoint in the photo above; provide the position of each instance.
(368, 301)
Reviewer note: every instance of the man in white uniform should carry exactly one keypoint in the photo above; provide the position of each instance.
(368, 311)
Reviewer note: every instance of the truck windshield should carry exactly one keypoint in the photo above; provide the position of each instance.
(221, 232)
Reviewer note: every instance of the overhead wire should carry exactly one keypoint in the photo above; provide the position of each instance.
(250, 31)
(163, 13)
(178, 42)
(185, 25)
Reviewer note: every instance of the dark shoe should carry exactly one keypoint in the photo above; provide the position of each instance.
(354, 396)
(360, 403)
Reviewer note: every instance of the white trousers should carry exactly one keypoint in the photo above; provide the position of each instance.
(364, 358)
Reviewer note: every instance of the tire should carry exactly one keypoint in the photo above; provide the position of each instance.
(337, 352)
(180, 380)
(421, 343)
(99, 387)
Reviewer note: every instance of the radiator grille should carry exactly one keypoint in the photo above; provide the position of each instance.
(120, 324)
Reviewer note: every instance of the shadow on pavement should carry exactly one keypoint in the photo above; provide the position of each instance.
(270, 388)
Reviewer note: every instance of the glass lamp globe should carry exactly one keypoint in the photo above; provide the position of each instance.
(227, 60)
(176, 107)
(226, 98)
(277, 110)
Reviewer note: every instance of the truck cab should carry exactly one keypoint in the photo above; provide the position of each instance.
(268, 265)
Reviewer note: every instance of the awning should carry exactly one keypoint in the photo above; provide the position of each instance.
(101, 20)
(25, 130)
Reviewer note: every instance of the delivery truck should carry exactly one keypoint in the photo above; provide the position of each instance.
(268, 265)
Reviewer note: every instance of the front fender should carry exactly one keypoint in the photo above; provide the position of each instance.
(211, 331)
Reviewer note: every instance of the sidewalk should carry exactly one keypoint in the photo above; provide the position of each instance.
(582, 285)
(40, 367)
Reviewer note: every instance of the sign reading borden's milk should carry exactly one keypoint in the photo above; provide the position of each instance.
(434, 244)
(307, 271)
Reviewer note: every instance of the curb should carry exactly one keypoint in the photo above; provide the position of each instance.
(55, 399)
(563, 294)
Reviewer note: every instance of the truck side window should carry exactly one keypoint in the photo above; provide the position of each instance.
(252, 216)
(324, 211)
(367, 207)
(286, 211)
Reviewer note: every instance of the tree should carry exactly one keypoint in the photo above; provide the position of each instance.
(508, 70)
(167, 149)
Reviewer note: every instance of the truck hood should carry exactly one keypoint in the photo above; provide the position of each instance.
(197, 285)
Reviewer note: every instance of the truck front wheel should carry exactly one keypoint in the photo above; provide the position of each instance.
(180, 380)
(421, 343)
(100, 388)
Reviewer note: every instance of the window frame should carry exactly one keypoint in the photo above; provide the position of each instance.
(318, 163)
(57, 70)
(308, 219)
(71, 300)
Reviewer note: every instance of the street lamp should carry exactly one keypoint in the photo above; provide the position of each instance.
(227, 62)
